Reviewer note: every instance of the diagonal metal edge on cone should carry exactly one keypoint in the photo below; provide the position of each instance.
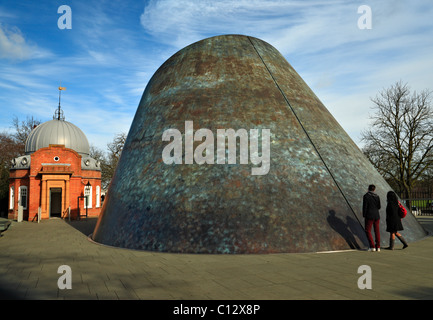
(308, 136)
(352, 191)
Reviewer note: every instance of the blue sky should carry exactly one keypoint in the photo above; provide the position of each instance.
(113, 48)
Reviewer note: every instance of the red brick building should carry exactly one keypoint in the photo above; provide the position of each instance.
(56, 175)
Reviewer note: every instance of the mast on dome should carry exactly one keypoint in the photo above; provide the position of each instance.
(58, 114)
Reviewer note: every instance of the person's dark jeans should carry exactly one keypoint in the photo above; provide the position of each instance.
(375, 224)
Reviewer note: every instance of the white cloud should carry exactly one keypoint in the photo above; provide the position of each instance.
(288, 25)
(14, 46)
(182, 22)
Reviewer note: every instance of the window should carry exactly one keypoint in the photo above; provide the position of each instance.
(22, 197)
(98, 196)
(88, 193)
(11, 199)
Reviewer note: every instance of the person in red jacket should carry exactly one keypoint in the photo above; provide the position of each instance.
(370, 211)
(393, 220)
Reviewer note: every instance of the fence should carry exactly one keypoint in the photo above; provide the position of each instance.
(421, 203)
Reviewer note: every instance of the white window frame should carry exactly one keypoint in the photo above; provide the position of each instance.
(98, 196)
(23, 189)
(11, 198)
(89, 206)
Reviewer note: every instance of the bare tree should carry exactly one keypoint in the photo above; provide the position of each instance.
(399, 142)
(9, 149)
(97, 153)
(114, 151)
(23, 129)
(115, 148)
(12, 145)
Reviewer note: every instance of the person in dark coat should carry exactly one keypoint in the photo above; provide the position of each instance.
(370, 211)
(393, 220)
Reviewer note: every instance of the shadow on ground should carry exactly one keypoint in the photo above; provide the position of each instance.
(427, 223)
(424, 293)
(85, 226)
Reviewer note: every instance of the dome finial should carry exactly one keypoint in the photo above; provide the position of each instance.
(58, 114)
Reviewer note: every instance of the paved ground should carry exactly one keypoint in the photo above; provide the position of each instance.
(31, 253)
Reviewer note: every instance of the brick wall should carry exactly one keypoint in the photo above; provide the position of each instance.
(55, 167)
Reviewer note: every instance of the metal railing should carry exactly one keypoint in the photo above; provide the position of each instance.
(420, 206)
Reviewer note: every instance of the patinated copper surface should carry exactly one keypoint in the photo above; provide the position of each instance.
(311, 198)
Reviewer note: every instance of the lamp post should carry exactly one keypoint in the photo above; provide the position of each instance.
(87, 194)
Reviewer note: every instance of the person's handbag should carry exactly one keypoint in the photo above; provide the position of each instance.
(402, 210)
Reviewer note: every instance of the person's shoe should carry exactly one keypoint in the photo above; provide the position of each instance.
(371, 249)
(391, 244)
(377, 249)
(405, 245)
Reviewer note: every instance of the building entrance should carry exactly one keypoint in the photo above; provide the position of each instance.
(55, 202)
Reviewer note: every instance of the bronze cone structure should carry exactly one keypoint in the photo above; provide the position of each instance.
(309, 201)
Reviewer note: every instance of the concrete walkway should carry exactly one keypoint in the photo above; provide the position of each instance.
(31, 254)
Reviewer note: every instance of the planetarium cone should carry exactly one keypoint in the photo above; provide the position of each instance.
(295, 185)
